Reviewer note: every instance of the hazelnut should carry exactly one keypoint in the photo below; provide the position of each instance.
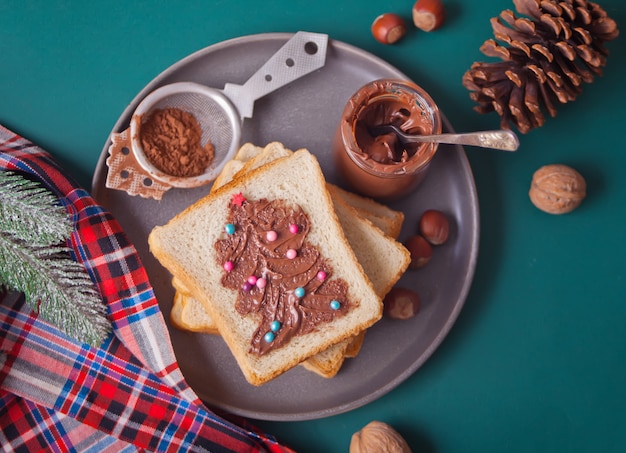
(420, 249)
(376, 437)
(388, 28)
(557, 189)
(434, 226)
(428, 15)
(401, 303)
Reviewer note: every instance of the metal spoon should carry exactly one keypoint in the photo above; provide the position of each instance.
(498, 139)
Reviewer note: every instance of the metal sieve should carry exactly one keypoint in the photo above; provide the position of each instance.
(220, 114)
(216, 115)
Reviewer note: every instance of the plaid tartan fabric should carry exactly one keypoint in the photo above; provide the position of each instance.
(57, 394)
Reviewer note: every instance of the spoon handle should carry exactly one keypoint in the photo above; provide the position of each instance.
(497, 139)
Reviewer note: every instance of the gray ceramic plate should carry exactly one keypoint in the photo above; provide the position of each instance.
(304, 114)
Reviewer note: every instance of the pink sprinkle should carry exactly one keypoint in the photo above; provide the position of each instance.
(291, 254)
(271, 235)
(321, 275)
(252, 280)
(228, 266)
(293, 228)
(261, 282)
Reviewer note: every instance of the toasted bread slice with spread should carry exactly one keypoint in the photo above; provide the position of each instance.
(292, 188)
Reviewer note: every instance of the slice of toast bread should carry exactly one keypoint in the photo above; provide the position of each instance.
(186, 247)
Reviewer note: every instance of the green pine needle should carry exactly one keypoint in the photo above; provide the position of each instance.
(33, 260)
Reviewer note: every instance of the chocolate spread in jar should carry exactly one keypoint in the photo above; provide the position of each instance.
(380, 165)
(386, 148)
(278, 274)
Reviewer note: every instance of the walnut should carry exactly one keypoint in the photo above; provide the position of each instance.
(557, 189)
(376, 437)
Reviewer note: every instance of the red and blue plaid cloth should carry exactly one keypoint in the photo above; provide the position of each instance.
(128, 395)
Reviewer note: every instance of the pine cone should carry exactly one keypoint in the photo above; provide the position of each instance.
(546, 58)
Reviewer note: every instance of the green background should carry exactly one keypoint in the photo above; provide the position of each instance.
(537, 358)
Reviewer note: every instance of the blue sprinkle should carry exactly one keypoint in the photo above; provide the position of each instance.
(269, 337)
(275, 326)
(299, 292)
(335, 305)
(230, 228)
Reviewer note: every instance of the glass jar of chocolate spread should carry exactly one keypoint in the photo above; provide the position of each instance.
(379, 165)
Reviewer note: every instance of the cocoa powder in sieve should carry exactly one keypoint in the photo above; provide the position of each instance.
(171, 140)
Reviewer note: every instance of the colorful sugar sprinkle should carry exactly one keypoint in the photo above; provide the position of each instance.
(275, 326)
(238, 199)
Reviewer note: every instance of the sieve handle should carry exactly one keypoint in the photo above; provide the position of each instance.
(302, 54)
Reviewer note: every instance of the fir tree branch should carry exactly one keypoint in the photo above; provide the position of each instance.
(33, 260)
(30, 212)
